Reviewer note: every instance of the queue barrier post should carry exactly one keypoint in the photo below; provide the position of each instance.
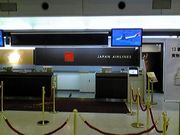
(130, 108)
(75, 122)
(2, 96)
(165, 123)
(43, 122)
(43, 96)
(137, 124)
(148, 103)
(54, 100)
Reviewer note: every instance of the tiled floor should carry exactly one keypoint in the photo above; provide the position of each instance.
(26, 122)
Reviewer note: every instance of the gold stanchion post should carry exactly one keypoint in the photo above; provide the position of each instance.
(148, 87)
(43, 94)
(43, 122)
(165, 122)
(54, 100)
(137, 124)
(2, 97)
(75, 121)
(147, 118)
(131, 96)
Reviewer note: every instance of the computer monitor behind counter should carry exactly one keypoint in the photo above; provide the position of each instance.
(133, 71)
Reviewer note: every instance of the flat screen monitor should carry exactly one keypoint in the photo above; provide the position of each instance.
(1, 39)
(133, 71)
(126, 37)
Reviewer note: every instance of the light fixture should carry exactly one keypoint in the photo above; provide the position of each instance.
(14, 57)
(90, 22)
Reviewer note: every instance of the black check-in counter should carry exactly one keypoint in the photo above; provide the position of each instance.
(19, 84)
(111, 85)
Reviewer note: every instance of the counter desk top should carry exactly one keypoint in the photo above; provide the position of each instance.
(113, 74)
(26, 73)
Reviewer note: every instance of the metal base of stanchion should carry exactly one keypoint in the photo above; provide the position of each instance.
(1, 115)
(45, 122)
(137, 125)
(131, 113)
(53, 112)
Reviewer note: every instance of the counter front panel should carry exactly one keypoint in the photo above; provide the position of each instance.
(26, 84)
(111, 85)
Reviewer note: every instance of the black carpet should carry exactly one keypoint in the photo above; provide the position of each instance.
(67, 105)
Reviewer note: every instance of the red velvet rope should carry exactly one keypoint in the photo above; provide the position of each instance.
(8, 123)
(143, 109)
(106, 133)
(52, 132)
(142, 132)
(98, 130)
(159, 131)
(134, 99)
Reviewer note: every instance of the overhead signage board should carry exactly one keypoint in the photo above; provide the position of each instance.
(88, 56)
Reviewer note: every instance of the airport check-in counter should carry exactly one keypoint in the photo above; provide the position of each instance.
(111, 85)
(28, 84)
(136, 80)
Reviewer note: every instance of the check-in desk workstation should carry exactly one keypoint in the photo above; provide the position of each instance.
(136, 80)
(111, 85)
(118, 85)
(114, 85)
(19, 84)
